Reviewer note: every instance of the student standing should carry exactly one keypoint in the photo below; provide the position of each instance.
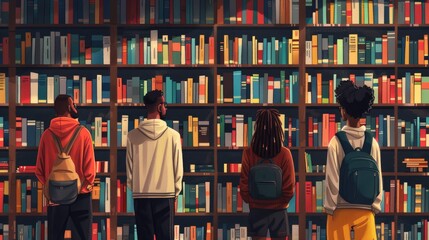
(347, 220)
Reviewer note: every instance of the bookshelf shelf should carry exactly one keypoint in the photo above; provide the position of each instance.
(49, 105)
(216, 156)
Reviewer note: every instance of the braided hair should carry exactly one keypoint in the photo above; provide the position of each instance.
(267, 139)
(355, 100)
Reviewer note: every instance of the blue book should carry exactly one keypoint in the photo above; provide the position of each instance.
(31, 133)
(119, 135)
(39, 131)
(236, 87)
(97, 49)
(130, 202)
(106, 12)
(105, 89)
(178, 92)
(94, 90)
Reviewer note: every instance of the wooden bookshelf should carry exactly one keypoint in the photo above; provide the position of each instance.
(114, 29)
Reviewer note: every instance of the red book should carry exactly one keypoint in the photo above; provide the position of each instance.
(426, 15)
(260, 54)
(407, 12)
(88, 56)
(332, 126)
(5, 50)
(137, 11)
(310, 132)
(418, 13)
(220, 13)
(239, 12)
(171, 12)
(249, 13)
(18, 132)
(124, 93)
(392, 89)
(297, 197)
(308, 197)
(119, 92)
(260, 12)
(56, 10)
(387, 202)
(81, 49)
(25, 89)
(70, 12)
(183, 11)
(118, 196)
(188, 50)
(152, 9)
(211, 50)
(141, 51)
(422, 136)
(88, 91)
(377, 125)
(94, 231)
(1, 195)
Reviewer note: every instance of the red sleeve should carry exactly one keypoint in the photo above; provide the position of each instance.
(40, 162)
(288, 178)
(89, 163)
(244, 177)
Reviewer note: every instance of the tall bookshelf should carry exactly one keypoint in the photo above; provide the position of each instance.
(214, 154)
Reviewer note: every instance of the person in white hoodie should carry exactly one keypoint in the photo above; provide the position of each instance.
(154, 170)
(345, 220)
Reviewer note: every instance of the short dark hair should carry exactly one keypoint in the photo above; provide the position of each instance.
(152, 98)
(61, 104)
(356, 101)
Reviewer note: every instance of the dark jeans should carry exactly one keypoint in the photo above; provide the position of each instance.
(154, 216)
(80, 212)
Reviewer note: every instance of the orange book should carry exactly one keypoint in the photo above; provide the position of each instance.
(119, 92)
(384, 49)
(229, 197)
(56, 12)
(28, 45)
(124, 51)
(335, 54)
(420, 51)
(392, 88)
(319, 87)
(18, 196)
(349, 11)
(331, 91)
(193, 233)
(209, 231)
(313, 199)
(158, 82)
(211, 50)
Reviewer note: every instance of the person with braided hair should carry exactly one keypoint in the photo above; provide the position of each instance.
(347, 220)
(267, 143)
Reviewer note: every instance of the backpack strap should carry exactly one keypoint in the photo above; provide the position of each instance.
(73, 138)
(345, 144)
(367, 144)
(69, 144)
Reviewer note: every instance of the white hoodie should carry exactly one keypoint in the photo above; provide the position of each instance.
(154, 160)
(332, 199)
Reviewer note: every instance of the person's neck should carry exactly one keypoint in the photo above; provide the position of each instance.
(65, 115)
(153, 115)
(353, 122)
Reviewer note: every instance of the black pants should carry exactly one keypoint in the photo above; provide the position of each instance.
(154, 216)
(80, 212)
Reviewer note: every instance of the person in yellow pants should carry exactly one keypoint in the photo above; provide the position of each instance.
(348, 220)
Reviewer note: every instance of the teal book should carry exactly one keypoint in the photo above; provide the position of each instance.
(43, 89)
(169, 89)
(102, 202)
(237, 86)
(180, 203)
(193, 53)
(81, 54)
(201, 197)
(130, 202)
(97, 49)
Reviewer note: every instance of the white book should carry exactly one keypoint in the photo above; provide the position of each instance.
(145, 47)
(355, 12)
(207, 187)
(76, 97)
(106, 49)
(63, 41)
(24, 132)
(34, 87)
(181, 236)
(124, 122)
(99, 88)
(153, 47)
(107, 196)
(119, 233)
(240, 130)
(97, 137)
(182, 49)
(243, 233)
(295, 232)
(308, 52)
(388, 130)
(50, 90)
(83, 88)
(63, 85)
(18, 89)
(270, 95)
(176, 232)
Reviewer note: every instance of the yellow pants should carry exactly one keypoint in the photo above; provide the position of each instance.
(339, 225)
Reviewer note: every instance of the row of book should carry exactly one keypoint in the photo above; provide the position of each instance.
(188, 91)
(194, 198)
(237, 130)
(413, 12)
(310, 167)
(411, 88)
(4, 196)
(350, 12)
(414, 132)
(320, 133)
(413, 51)
(259, 12)
(166, 12)
(4, 132)
(63, 12)
(240, 232)
(42, 88)
(178, 49)
(352, 49)
(251, 50)
(29, 196)
(236, 87)
(60, 48)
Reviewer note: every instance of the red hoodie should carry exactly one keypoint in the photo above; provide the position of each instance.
(285, 162)
(82, 151)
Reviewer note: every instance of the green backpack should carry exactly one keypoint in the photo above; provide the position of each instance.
(359, 173)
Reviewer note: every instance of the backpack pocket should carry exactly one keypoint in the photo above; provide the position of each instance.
(366, 183)
(63, 192)
(266, 190)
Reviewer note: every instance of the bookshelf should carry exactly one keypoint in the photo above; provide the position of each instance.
(310, 21)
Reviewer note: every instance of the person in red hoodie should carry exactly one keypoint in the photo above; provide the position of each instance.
(267, 143)
(82, 153)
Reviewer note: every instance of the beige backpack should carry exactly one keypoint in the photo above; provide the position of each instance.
(63, 184)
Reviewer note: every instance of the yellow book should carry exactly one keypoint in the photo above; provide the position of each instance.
(314, 49)
(255, 50)
(412, 88)
(407, 50)
(353, 47)
(290, 59)
(218, 99)
(18, 196)
(370, 12)
(295, 46)
(332, 13)
(201, 49)
(417, 88)
(190, 128)
(136, 123)
(195, 131)
(190, 90)
(2, 88)
(164, 49)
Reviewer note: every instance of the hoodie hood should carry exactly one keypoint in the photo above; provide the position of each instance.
(63, 126)
(153, 128)
(354, 132)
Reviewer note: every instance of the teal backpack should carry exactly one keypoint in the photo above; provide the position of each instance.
(359, 173)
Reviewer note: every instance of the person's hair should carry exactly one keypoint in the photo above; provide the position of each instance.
(151, 99)
(267, 139)
(356, 101)
(61, 104)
